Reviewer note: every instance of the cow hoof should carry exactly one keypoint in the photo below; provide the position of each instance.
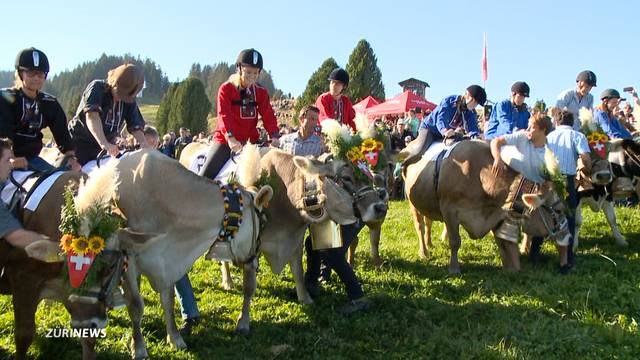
(622, 242)
(424, 255)
(139, 355)
(377, 262)
(226, 286)
(454, 270)
(178, 342)
(306, 300)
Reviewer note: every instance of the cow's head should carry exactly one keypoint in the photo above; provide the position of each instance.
(329, 198)
(624, 155)
(546, 216)
(601, 173)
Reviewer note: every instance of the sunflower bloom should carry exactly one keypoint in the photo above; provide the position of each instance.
(80, 245)
(96, 244)
(66, 242)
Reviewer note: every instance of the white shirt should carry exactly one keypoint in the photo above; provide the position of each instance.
(520, 154)
(569, 99)
(566, 145)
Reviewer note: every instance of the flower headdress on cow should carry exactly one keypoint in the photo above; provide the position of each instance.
(597, 139)
(84, 237)
(551, 171)
(364, 149)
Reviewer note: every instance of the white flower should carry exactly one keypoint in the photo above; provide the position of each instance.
(331, 129)
(551, 162)
(586, 119)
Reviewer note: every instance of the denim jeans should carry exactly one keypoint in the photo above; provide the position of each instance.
(335, 259)
(186, 298)
(40, 165)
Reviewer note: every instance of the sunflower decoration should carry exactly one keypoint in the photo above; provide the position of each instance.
(597, 139)
(363, 149)
(83, 239)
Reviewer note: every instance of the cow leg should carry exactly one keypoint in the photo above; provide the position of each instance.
(526, 244)
(610, 213)
(167, 298)
(227, 281)
(420, 223)
(513, 254)
(453, 230)
(88, 345)
(578, 226)
(25, 304)
(298, 276)
(351, 252)
(374, 238)
(135, 308)
(248, 290)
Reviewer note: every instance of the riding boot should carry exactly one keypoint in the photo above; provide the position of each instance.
(216, 158)
(418, 147)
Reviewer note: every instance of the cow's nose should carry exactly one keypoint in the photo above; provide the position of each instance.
(380, 208)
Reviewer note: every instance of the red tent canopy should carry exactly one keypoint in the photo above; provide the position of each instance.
(400, 104)
(368, 102)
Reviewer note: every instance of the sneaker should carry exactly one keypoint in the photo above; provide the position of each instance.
(354, 306)
(565, 269)
(188, 325)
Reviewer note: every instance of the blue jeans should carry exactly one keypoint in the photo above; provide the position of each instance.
(186, 298)
(40, 165)
(335, 259)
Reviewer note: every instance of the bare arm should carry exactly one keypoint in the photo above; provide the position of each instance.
(94, 124)
(498, 165)
(20, 238)
(140, 139)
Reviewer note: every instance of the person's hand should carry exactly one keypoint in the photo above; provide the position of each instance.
(112, 149)
(498, 167)
(275, 142)
(73, 164)
(19, 162)
(234, 144)
(448, 133)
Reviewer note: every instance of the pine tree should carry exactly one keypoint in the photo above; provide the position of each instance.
(365, 78)
(162, 116)
(318, 83)
(540, 106)
(189, 106)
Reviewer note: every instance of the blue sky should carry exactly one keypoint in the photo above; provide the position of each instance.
(545, 43)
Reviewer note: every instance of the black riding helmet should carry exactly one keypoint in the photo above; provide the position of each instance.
(610, 94)
(250, 57)
(520, 87)
(587, 76)
(341, 75)
(478, 93)
(32, 59)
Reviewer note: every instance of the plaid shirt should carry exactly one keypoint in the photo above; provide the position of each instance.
(293, 144)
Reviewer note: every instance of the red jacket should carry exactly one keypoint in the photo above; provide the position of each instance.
(241, 120)
(325, 103)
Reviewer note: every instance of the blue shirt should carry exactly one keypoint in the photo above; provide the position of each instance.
(295, 145)
(505, 119)
(446, 114)
(568, 99)
(566, 145)
(611, 126)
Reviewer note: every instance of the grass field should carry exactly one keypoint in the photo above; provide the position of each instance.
(149, 113)
(419, 312)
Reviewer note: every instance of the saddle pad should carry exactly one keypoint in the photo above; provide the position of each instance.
(104, 160)
(230, 167)
(36, 195)
(436, 148)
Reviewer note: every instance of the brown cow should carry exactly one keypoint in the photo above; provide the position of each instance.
(30, 280)
(466, 193)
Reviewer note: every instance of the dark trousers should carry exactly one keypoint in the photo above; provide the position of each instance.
(336, 260)
(572, 203)
(425, 138)
(217, 156)
(86, 151)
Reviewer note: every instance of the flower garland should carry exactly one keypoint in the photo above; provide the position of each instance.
(82, 248)
(362, 150)
(598, 141)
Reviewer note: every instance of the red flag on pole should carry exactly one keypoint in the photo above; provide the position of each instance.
(485, 70)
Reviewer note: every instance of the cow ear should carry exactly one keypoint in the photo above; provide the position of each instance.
(311, 167)
(533, 201)
(45, 251)
(262, 198)
(133, 240)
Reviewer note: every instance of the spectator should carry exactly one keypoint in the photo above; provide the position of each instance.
(167, 146)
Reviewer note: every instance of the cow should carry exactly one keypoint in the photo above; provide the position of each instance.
(463, 191)
(30, 280)
(625, 163)
(164, 240)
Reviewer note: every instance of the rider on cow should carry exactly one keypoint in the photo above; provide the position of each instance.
(10, 228)
(240, 102)
(604, 114)
(105, 107)
(509, 115)
(25, 111)
(334, 104)
(454, 115)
